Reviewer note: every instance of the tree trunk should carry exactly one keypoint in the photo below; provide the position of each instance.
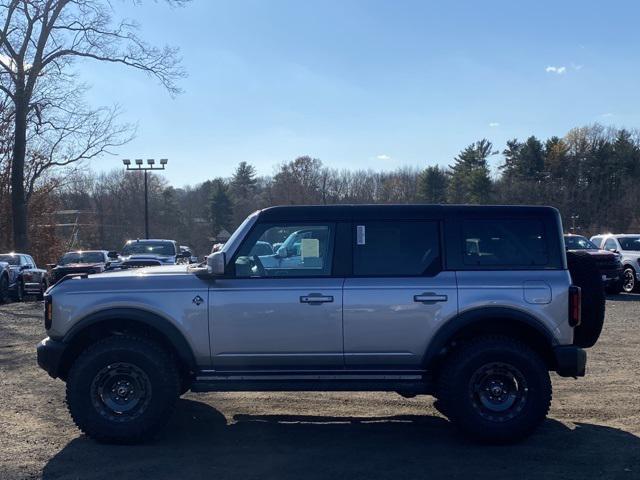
(18, 198)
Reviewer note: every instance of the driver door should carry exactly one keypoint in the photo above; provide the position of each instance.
(279, 307)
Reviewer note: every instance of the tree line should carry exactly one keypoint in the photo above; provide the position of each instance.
(590, 175)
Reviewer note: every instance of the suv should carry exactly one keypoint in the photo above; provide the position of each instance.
(628, 247)
(82, 261)
(609, 263)
(152, 252)
(19, 276)
(473, 305)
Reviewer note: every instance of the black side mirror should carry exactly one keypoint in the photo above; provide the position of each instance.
(113, 255)
(24, 267)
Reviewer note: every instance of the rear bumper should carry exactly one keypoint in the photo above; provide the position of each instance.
(50, 353)
(571, 361)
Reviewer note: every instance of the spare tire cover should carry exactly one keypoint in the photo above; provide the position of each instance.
(585, 274)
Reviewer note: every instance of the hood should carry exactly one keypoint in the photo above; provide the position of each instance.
(78, 266)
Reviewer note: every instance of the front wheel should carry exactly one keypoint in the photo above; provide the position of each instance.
(629, 280)
(122, 389)
(495, 389)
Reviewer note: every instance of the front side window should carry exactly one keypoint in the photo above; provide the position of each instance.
(576, 242)
(504, 243)
(286, 251)
(610, 244)
(396, 248)
(81, 257)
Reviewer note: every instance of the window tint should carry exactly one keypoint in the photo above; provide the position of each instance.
(610, 244)
(629, 243)
(396, 248)
(506, 242)
(286, 251)
(597, 241)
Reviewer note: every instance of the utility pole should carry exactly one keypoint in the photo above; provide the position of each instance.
(139, 166)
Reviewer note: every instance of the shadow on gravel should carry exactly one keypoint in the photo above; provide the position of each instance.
(199, 444)
(624, 297)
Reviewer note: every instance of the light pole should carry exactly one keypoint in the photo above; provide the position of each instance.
(139, 166)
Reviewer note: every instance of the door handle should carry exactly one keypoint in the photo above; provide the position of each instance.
(316, 299)
(430, 298)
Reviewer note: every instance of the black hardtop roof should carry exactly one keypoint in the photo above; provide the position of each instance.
(404, 211)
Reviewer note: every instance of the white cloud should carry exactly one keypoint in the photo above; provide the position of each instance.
(557, 70)
(383, 157)
(494, 124)
(576, 66)
(8, 62)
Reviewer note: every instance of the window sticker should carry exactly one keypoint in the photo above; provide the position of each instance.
(361, 235)
(309, 248)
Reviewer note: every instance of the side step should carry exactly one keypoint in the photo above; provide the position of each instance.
(406, 383)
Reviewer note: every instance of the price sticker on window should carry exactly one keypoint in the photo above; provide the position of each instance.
(361, 235)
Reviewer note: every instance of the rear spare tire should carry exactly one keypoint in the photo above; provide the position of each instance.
(585, 274)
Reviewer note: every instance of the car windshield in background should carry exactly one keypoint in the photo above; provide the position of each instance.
(579, 243)
(149, 248)
(81, 257)
(10, 259)
(629, 243)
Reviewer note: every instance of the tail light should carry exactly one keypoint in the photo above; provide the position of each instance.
(575, 310)
(48, 312)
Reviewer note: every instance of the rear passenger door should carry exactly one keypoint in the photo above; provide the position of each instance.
(398, 295)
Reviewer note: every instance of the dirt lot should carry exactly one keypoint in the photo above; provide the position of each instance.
(593, 430)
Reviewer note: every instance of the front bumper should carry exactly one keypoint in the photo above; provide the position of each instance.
(50, 353)
(571, 361)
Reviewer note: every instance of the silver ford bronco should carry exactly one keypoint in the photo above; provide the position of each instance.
(474, 305)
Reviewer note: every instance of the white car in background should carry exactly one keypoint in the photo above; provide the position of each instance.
(628, 246)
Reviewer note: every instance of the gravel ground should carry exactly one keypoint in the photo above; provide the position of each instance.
(593, 430)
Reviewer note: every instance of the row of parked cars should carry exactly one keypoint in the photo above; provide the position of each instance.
(20, 276)
(617, 257)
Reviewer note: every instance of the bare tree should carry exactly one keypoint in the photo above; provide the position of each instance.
(39, 41)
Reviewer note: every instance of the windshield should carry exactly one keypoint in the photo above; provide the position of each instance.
(629, 243)
(149, 248)
(10, 259)
(81, 257)
(576, 242)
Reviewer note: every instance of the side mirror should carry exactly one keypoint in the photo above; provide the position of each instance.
(614, 250)
(282, 252)
(23, 267)
(113, 255)
(52, 265)
(216, 263)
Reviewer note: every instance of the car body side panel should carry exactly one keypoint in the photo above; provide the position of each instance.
(543, 294)
(385, 326)
(262, 323)
(180, 299)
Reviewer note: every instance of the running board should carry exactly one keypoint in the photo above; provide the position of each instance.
(406, 383)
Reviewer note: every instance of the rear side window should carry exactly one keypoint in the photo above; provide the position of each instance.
(504, 243)
(396, 248)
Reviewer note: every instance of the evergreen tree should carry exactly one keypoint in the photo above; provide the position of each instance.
(243, 191)
(432, 185)
(469, 179)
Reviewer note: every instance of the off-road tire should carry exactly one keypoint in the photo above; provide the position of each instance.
(87, 408)
(4, 289)
(585, 274)
(458, 394)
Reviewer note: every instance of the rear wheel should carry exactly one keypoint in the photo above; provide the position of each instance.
(122, 389)
(629, 280)
(495, 389)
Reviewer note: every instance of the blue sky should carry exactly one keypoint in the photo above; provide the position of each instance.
(367, 83)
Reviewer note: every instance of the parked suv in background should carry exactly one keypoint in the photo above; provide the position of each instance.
(82, 261)
(19, 276)
(471, 304)
(628, 247)
(609, 263)
(152, 252)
